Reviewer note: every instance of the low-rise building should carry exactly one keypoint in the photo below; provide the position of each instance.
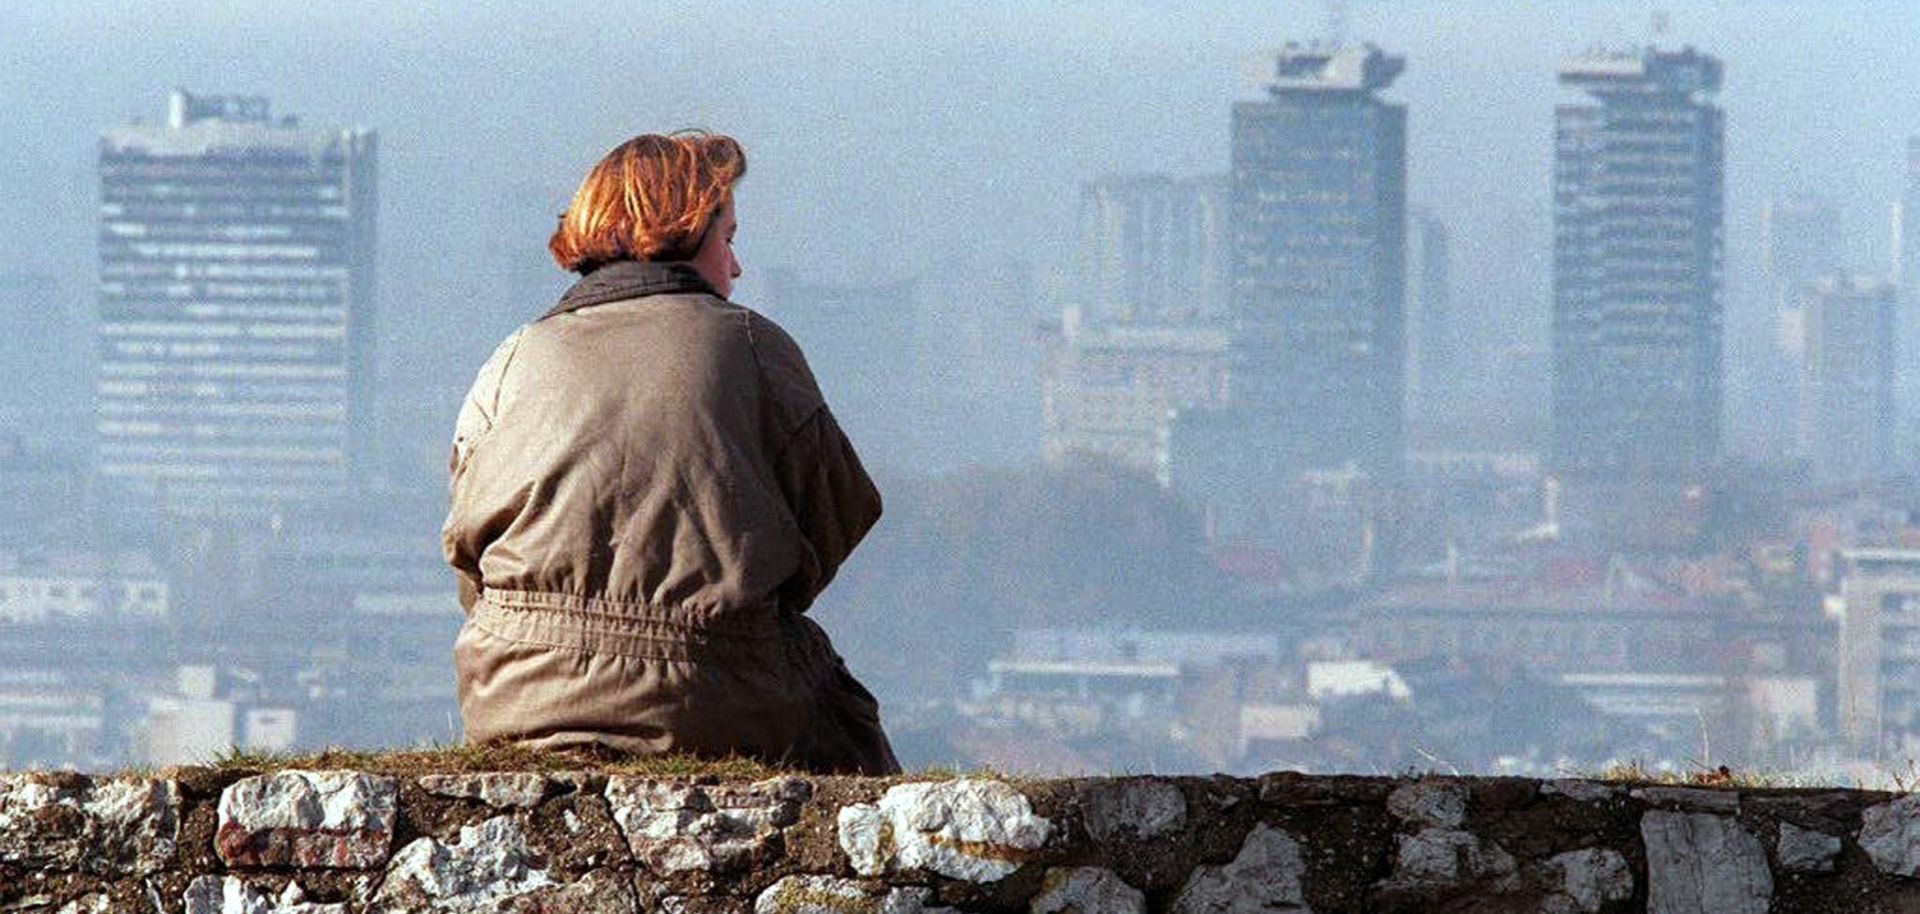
(1878, 662)
(36, 589)
(207, 715)
(1111, 392)
(47, 720)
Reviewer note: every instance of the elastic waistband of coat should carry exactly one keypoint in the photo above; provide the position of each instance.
(631, 629)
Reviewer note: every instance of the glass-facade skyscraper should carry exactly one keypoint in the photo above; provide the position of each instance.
(1297, 461)
(1638, 258)
(1318, 262)
(235, 334)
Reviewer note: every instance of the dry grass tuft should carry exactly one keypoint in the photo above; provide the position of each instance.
(1636, 772)
(463, 758)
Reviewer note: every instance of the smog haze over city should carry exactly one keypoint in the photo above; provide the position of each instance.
(1519, 387)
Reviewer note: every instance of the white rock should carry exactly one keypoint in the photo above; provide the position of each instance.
(307, 818)
(1086, 890)
(478, 873)
(969, 828)
(1439, 804)
(1588, 880)
(1264, 878)
(116, 826)
(204, 895)
(727, 828)
(1890, 834)
(1134, 808)
(501, 790)
(1699, 863)
(829, 895)
(1803, 850)
(232, 895)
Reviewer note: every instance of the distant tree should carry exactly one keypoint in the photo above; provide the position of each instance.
(962, 560)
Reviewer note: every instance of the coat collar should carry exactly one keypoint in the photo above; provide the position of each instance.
(624, 279)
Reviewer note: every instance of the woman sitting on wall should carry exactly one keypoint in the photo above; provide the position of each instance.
(648, 492)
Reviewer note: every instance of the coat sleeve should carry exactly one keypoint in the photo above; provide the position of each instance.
(833, 501)
(468, 528)
(459, 549)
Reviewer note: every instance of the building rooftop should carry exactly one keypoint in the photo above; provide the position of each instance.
(1643, 71)
(1334, 69)
(199, 125)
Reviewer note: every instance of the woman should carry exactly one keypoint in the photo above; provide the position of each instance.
(648, 492)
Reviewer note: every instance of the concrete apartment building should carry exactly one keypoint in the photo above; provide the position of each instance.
(1878, 695)
(1638, 260)
(1905, 271)
(1846, 379)
(1110, 393)
(1146, 338)
(63, 589)
(1152, 249)
(235, 335)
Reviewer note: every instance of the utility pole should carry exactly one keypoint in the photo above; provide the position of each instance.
(1337, 23)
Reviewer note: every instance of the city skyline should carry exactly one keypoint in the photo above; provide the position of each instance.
(891, 206)
(1057, 349)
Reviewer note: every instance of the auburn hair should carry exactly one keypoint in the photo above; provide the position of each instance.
(651, 198)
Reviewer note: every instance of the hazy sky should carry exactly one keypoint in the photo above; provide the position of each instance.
(890, 139)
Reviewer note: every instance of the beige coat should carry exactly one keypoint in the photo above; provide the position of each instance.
(648, 491)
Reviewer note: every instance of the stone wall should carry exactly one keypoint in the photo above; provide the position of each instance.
(332, 842)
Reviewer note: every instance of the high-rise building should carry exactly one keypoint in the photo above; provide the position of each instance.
(1878, 654)
(1434, 348)
(1802, 237)
(236, 307)
(1906, 272)
(1317, 262)
(1297, 467)
(1846, 392)
(1147, 336)
(1153, 249)
(1637, 267)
